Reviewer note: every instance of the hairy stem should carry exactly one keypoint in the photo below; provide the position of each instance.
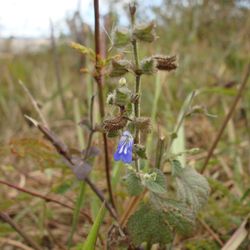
(137, 89)
(99, 81)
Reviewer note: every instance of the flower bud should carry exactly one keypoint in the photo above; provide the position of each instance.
(121, 37)
(140, 150)
(122, 95)
(119, 68)
(167, 63)
(111, 98)
(148, 66)
(114, 124)
(145, 32)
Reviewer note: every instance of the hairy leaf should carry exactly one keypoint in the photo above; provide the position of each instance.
(192, 187)
(176, 167)
(149, 225)
(179, 217)
(133, 183)
(157, 185)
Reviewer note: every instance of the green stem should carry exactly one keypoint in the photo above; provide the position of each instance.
(137, 92)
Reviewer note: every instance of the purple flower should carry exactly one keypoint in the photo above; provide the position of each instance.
(125, 148)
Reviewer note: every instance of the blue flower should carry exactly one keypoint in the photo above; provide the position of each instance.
(125, 148)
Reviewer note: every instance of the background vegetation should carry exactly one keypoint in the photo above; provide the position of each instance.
(211, 41)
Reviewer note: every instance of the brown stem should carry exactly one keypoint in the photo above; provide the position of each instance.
(133, 204)
(102, 198)
(5, 217)
(227, 118)
(99, 81)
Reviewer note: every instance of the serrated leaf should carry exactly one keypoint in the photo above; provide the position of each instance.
(192, 188)
(148, 225)
(159, 184)
(176, 167)
(133, 183)
(179, 217)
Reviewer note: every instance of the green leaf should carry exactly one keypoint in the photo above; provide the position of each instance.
(176, 167)
(157, 185)
(149, 225)
(90, 242)
(179, 217)
(192, 188)
(133, 183)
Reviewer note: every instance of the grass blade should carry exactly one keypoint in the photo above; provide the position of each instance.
(90, 242)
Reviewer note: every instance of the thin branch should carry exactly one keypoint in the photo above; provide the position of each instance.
(99, 81)
(5, 217)
(34, 103)
(44, 197)
(62, 149)
(227, 118)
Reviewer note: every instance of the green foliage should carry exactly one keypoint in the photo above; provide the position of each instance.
(133, 183)
(90, 242)
(179, 216)
(176, 167)
(155, 181)
(192, 187)
(149, 225)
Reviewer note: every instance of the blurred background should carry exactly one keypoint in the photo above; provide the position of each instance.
(212, 42)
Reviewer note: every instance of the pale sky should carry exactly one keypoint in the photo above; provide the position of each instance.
(30, 18)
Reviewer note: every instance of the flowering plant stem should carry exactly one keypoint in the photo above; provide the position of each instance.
(137, 89)
(99, 81)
